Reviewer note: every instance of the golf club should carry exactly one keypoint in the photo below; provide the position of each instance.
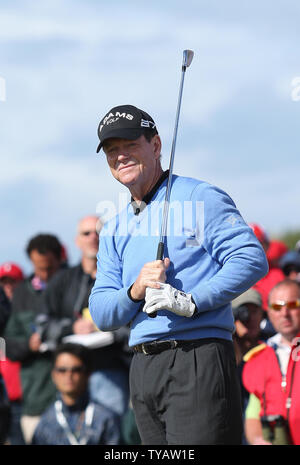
(187, 60)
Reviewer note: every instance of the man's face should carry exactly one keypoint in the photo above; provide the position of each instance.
(133, 162)
(45, 265)
(285, 321)
(8, 284)
(69, 375)
(87, 239)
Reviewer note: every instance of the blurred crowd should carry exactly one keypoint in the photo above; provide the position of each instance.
(63, 381)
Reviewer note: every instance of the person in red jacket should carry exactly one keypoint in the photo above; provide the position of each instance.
(10, 276)
(275, 274)
(272, 371)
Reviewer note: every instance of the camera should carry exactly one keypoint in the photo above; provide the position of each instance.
(241, 313)
(51, 331)
(275, 429)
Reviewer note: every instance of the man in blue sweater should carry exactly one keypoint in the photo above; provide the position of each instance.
(183, 382)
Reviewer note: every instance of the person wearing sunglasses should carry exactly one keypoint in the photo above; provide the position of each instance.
(73, 419)
(272, 373)
(65, 314)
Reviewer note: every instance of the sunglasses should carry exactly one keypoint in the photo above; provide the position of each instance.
(76, 369)
(88, 233)
(281, 303)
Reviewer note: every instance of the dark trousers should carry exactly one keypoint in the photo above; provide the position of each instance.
(188, 395)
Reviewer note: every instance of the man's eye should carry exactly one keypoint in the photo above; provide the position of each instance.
(111, 153)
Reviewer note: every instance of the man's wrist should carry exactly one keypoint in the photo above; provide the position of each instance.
(130, 296)
(196, 310)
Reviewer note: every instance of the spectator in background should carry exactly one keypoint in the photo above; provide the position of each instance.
(4, 412)
(248, 313)
(73, 419)
(4, 401)
(10, 276)
(4, 310)
(290, 264)
(23, 342)
(66, 299)
(275, 274)
(272, 373)
(275, 251)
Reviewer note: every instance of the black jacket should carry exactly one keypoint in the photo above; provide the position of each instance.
(63, 301)
(37, 386)
(4, 310)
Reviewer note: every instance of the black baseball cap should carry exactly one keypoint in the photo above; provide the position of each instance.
(125, 122)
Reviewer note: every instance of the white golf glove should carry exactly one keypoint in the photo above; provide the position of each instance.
(168, 298)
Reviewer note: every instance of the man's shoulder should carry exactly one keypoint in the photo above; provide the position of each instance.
(188, 182)
(48, 416)
(258, 361)
(24, 286)
(65, 274)
(254, 352)
(103, 412)
(47, 427)
(24, 296)
(196, 187)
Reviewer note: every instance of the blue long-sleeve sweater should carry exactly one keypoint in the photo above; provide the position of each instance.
(214, 255)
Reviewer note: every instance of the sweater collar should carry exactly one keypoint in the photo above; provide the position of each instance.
(148, 197)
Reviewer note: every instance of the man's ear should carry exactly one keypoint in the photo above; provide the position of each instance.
(156, 141)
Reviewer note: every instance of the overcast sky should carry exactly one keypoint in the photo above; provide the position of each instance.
(65, 63)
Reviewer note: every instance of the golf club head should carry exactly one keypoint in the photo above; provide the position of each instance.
(188, 56)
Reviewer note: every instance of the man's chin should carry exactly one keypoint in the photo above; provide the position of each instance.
(91, 254)
(127, 181)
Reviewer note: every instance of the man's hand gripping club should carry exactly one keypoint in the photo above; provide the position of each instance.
(169, 298)
(150, 285)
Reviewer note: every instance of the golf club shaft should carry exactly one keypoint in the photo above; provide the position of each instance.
(187, 59)
(163, 232)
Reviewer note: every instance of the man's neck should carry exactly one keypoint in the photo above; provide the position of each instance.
(288, 340)
(89, 265)
(69, 399)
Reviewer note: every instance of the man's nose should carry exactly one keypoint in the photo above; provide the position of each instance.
(123, 155)
(285, 310)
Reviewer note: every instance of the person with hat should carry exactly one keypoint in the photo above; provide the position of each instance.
(183, 380)
(290, 264)
(23, 341)
(10, 276)
(248, 313)
(64, 312)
